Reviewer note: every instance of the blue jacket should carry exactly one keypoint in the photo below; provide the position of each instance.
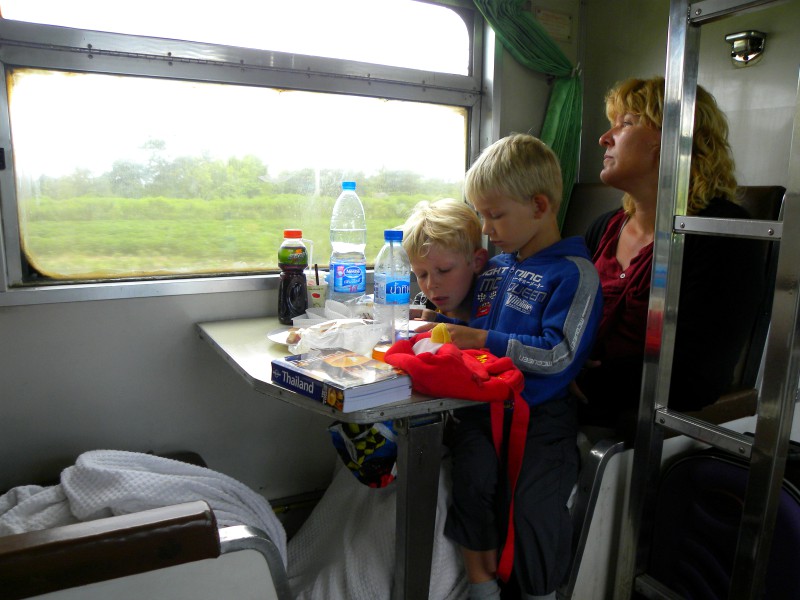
(542, 312)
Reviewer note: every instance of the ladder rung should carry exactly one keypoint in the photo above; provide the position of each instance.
(649, 587)
(748, 228)
(719, 437)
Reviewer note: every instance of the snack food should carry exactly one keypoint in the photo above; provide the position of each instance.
(342, 362)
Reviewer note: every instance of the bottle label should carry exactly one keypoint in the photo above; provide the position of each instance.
(393, 292)
(293, 255)
(349, 278)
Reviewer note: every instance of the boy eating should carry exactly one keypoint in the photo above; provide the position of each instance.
(539, 303)
(444, 245)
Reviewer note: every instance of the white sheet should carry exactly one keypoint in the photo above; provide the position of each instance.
(103, 483)
(346, 548)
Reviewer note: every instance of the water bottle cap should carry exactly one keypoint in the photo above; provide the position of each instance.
(292, 233)
(348, 185)
(393, 235)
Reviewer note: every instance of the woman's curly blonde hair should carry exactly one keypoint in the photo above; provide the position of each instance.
(712, 171)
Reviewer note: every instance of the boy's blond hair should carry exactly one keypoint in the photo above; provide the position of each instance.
(449, 224)
(518, 165)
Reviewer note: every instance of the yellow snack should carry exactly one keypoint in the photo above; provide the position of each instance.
(440, 334)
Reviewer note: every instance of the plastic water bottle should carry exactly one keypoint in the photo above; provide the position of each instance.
(392, 287)
(293, 260)
(348, 265)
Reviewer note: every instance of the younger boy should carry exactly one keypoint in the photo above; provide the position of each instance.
(444, 245)
(538, 302)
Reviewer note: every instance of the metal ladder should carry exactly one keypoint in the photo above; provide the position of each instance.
(766, 451)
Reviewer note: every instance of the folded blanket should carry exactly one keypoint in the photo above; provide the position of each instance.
(104, 483)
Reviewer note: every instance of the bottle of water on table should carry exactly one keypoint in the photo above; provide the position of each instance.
(348, 264)
(392, 287)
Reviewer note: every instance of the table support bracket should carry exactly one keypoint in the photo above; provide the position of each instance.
(419, 456)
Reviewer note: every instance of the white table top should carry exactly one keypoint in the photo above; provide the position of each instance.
(243, 343)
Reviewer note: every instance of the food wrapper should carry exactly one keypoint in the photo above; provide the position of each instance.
(312, 316)
(358, 335)
(357, 308)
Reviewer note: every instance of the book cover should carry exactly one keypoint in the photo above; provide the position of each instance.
(341, 378)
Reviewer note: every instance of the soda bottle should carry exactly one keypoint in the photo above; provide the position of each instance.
(293, 260)
(392, 287)
(348, 264)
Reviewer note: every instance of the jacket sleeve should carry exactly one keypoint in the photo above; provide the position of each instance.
(440, 318)
(569, 323)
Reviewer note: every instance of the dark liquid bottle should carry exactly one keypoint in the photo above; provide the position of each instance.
(293, 260)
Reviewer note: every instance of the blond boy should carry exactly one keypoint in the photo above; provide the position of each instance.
(444, 245)
(539, 303)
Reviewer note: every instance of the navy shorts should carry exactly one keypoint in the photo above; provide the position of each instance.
(478, 516)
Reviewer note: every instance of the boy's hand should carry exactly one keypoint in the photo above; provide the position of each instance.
(422, 314)
(573, 385)
(576, 391)
(426, 326)
(467, 337)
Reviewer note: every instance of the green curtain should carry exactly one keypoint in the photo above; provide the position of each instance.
(528, 42)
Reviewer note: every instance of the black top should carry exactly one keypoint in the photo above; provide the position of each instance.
(722, 285)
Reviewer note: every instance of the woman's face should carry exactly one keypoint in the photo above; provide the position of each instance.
(631, 154)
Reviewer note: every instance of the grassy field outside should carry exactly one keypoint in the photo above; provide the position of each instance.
(101, 237)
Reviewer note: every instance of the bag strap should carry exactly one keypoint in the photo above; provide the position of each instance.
(518, 433)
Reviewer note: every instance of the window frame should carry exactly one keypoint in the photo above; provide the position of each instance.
(31, 45)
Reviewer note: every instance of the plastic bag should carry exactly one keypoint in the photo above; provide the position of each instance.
(358, 335)
(356, 308)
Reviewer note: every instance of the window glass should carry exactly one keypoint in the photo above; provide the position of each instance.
(401, 33)
(122, 176)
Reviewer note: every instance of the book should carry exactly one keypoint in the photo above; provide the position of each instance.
(341, 378)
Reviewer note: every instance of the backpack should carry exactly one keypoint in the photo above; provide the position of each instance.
(699, 507)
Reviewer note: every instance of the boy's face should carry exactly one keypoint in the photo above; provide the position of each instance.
(514, 226)
(445, 276)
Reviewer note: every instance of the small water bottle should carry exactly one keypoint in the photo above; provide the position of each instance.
(348, 264)
(293, 260)
(392, 287)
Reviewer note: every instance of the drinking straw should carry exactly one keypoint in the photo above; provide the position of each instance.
(316, 272)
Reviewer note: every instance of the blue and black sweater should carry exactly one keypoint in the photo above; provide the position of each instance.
(542, 312)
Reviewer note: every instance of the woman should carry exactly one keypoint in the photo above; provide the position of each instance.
(722, 279)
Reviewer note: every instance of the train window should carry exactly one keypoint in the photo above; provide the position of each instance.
(142, 158)
(403, 33)
(177, 185)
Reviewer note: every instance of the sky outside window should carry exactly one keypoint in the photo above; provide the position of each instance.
(399, 33)
(56, 131)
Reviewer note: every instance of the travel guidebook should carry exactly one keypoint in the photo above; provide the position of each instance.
(341, 378)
